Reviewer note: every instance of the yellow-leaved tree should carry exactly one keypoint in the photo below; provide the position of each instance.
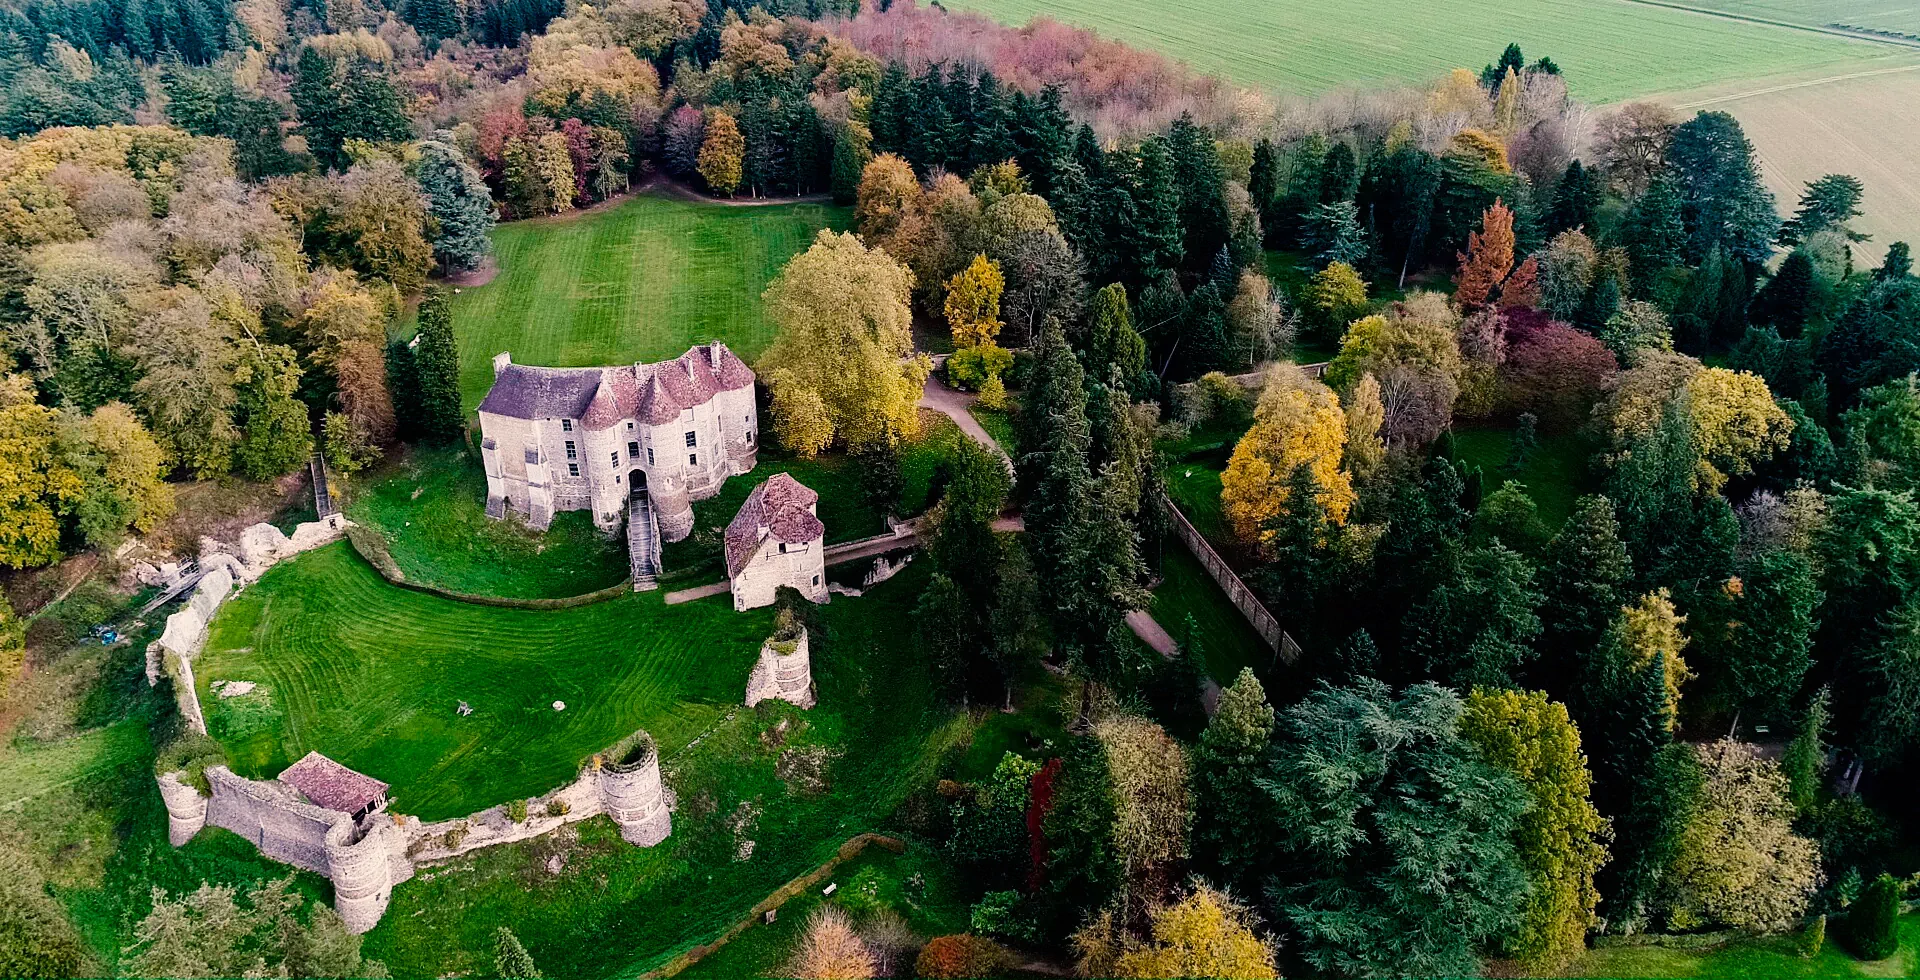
(1205, 934)
(842, 367)
(973, 303)
(1560, 838)
(1646, 630)
(1734, 419)
(723, 154)
(1298, 422)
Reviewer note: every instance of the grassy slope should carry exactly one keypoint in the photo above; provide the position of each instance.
(370, 674)
(1609, 50)
(431, 508)
(1555, 473)
(643, 280)
(616, 909)
(1186, 589)
(1771, 957)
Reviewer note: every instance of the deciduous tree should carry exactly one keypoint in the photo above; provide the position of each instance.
(1297, 422)
(1739, 863)
(1487, 260)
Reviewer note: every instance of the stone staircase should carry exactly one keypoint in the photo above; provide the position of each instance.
(643, 541)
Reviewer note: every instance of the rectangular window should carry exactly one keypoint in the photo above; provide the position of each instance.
(573, 469)
(816, 580)
(614, 457)
(690, 439)
(633, 450)
(649, 457)
(571, 454)
(566, 425)
(749, 437)
(693, 459)
(783, 547)
(629, 425)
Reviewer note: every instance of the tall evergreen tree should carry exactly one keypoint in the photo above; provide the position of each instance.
(1783, 301)
(1722, 199)
(459, 203)
(1576, 200)
(1201, 184)
(1827, 204)
(1654, 232)
(1154, 242)
(1229, 804)
(1583, 580)
(437, 370)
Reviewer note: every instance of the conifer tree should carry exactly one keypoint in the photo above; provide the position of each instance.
(460, 204)
(1783, 301)
(1653, 232)
(510, 959)
(1229, 804)
(436, 361)
(1575, 201)
(1487, 260)
(1583, 577)
(1112, 343)
(1156, 240)
(1827, 204)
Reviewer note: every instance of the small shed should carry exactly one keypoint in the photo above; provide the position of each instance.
(332, 786)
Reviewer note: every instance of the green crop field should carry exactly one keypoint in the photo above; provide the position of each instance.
(1880, 15)
(1610, 50)
(371, 674)
(640, 281)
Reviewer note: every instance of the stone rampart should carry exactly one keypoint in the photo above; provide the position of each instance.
(366, 858)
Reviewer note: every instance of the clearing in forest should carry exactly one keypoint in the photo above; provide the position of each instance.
(1610, 49)
(641, 280)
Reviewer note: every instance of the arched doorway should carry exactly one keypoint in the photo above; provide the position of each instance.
(637, 481)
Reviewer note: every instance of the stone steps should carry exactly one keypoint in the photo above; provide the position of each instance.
(643, 542)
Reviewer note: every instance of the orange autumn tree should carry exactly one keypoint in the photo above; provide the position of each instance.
(1487, 260)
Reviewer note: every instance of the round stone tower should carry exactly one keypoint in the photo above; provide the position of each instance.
(671, 507)
(631, 793)
(784, 670)
(357, 861)
(186, 808)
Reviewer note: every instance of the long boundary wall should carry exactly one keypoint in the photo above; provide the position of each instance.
(1242, 597)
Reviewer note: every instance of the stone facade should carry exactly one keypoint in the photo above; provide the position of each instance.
(557, 439)
(777, 539)
(784, 672)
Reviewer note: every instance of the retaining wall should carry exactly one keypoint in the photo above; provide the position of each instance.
(1242, 597)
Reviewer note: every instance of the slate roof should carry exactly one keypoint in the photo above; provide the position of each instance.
(330, 785)
(601, 396)
(783, 509)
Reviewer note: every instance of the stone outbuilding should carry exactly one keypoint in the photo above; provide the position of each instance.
(777, 539)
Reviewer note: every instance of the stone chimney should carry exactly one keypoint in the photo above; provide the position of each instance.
(500, 362)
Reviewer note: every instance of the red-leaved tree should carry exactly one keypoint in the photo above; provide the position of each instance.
(1487, 260)
(1553, 370)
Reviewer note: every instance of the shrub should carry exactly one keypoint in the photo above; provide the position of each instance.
(962, 956)
(1814, 936)
(971, 367)
(191, 754)
(456, 835)
(517, 811)
(1003, 914)
(993, 394)
(557, 807)
(830, 949)
(1873, 923)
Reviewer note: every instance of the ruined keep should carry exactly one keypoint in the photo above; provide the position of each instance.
(783, 672)
(631, 793)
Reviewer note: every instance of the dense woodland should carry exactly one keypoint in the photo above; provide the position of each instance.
(1691, 706)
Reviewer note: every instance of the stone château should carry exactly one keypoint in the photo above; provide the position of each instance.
(639, 441)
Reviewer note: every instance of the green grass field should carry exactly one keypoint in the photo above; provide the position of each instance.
(370, 674)
(1555, 473)
(641, 281)
(1766, 958)
(1879, 15)
(430, 507)
(1610, 50)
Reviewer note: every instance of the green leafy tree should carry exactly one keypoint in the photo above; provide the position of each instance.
(1804, 761)
(36, 937)
(1561, 839)
(1739, 864)
(1827, 204)
(207, 933)
(272, 421)
(1784, 300)
(436, 360)
(1228, 800)
(1770, 645)
(1396, 835)
(1480, 624)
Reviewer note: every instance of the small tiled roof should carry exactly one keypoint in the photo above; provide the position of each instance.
(653, 393)
(783, 509)
(331, 785)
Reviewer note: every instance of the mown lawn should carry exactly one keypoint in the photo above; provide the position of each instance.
(1555, 473)
(1609, 50)
(430, 507)
(878, 732)
(1227, 640)
(371, 674)
(1759, 959)
(641, 281)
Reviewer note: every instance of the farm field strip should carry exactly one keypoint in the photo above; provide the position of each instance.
(1880, 15)
(1611, 50)
(640, 281)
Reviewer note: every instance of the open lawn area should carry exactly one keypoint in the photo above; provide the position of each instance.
(642, 280)
(1187, 590)
(430, 508)
(370, 674)
(1555, 472)
(1758, 959)
(1610, 50)
(795, 784)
